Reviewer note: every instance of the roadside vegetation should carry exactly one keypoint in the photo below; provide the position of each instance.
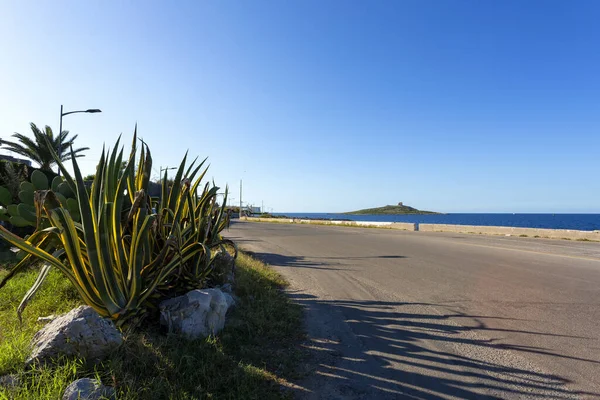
(253, 357)
(123, 251)
(106, 243)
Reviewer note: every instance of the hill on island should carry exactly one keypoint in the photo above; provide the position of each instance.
(399, 209)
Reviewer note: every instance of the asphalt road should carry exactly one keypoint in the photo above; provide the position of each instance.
(394, 314)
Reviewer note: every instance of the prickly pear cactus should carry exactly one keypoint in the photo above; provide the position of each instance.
(23, 214)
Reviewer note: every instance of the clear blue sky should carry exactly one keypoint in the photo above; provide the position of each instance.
(455, 106)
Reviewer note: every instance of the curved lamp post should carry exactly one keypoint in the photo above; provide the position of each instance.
(62, 114)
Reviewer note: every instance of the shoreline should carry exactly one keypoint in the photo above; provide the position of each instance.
(568, 221)
(563, 234)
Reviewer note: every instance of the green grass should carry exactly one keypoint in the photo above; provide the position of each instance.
(252, 358)
(523, 235)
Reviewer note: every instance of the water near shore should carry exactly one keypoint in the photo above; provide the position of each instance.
(583, 222)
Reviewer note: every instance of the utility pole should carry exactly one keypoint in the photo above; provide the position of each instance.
(240, 199)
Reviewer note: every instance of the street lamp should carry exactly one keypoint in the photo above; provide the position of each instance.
(165, 169)
(62, 114)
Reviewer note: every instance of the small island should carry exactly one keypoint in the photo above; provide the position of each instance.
(398, 209)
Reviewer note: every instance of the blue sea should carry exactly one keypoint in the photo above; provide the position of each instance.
(582, 222)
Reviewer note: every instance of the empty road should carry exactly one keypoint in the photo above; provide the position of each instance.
(394, 314)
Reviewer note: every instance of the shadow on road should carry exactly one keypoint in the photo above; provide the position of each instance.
(396, 350)
(392, 257)
(391, 350)
(302, 262)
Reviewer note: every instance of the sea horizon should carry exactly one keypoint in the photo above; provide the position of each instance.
(574, 221)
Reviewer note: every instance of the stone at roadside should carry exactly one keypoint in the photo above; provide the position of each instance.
(196, 314)
(81, 332)
(226, 288)
(10, 381)
(232, 299)
(88, 389)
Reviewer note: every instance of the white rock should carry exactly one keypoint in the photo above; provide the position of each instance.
(226, 288)
(198, 313)
(230, 299)
(88, 389)
(81, 332)
(220, 304)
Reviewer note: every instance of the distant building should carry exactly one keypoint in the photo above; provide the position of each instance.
(400, 204)
(14, 159)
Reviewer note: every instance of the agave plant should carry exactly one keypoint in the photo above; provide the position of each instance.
(190, 217)
(116, 256)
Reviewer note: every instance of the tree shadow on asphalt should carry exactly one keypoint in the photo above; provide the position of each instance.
(291, 261)
(397, 350)
(392, 257)
(303, 262)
